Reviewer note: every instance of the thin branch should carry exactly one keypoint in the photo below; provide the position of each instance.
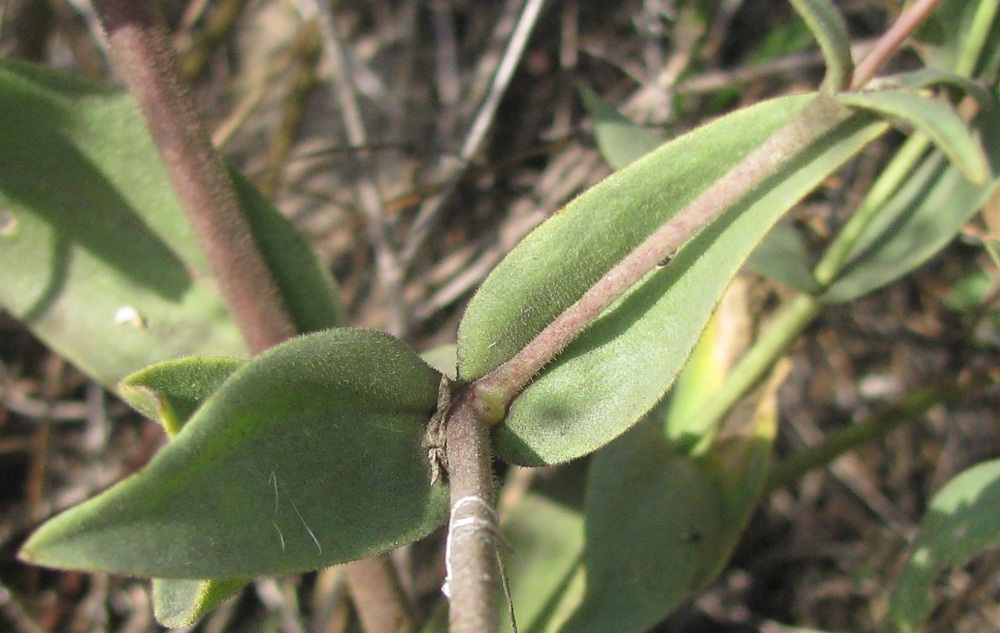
(497, 389)
(891, 40)
(143, 51)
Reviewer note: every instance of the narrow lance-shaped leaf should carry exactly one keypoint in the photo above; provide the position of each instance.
(959, 36)
(926, 213)
(308, 456)
(830, 31)
(618, 368)
(937, 119)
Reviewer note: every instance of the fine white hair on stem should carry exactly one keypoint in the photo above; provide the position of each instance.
(456, 525)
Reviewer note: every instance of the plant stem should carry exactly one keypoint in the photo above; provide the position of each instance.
(473, 579)
(891, 40)
(754, 365)
(378, 598)
(144, 52)
(497, 389)
(877, 426)
(145, 55)
(888, 182)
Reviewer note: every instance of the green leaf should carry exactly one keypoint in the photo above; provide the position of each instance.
(96, 253)
(830, 31)
(658, 514)
(620, 139)
(309, 291)
(962, 520)
(740, 461)
(623, 364)
(308, 456)
(933, 77)
(783, 257)
(171, 391)
(936, 119)
(546, 546)
(181, 602)
(651, 515)
(924, 215)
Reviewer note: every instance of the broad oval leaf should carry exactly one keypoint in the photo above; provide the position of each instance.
(96, 252)
(622, 365)
(308, 456)
(650, 513)
(659, 511)
(937, 119)
(962, 520)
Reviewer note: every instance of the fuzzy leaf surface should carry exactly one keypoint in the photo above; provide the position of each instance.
(962, 520)
(308, 456)
(96, 253)
(171, 391)
(623, 364)
(181, 602)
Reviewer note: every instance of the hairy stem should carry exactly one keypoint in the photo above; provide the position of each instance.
(473, 579)
(145, 55)
(497, 389)
(144, 52)
(891, 40)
